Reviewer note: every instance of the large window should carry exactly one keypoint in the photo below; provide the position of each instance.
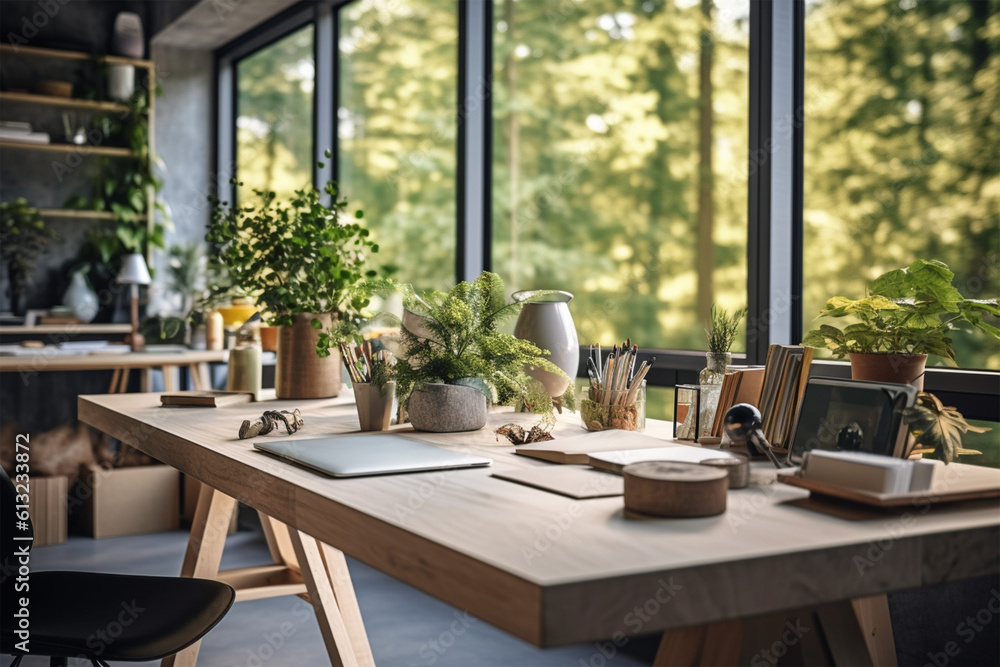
(274, 114)
(650, 156)
(396, 125)
(902, 148)
(620, 141)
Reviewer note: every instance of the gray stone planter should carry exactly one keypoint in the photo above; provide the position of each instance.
(447, 408)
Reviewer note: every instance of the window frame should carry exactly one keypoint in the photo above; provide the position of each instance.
(775, 175)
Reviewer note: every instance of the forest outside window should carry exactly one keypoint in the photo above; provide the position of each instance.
(396, 129)
(274, 116)
(619, 161)
(902, 148)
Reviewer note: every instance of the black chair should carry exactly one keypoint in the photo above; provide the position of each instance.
(96, 616)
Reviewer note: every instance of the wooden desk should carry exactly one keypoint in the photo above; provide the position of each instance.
(552, 570)
(195, 360)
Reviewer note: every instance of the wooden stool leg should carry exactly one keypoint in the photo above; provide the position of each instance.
(198, 374)
(328, 613)
(204, 552)
(168, 377)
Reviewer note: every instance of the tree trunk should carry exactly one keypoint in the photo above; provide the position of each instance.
(513, 147)
(706, 247)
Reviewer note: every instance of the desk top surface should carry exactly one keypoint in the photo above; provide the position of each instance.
(542, 559)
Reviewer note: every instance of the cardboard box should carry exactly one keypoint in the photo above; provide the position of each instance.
(192, 488)
(47, 508)
(126, 501)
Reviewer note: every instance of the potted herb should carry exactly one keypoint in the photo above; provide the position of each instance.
(453, 358)
(23, 236)
(908, 314)
(722, 332)
(302, 260)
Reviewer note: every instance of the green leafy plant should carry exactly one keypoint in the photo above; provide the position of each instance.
(125, 187)
(23, 236)
(937, 429)
(906, 311)
(454, 337)
(723, 329)
(295, 257)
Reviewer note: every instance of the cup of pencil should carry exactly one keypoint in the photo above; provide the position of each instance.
(616, 395)
(374, 390)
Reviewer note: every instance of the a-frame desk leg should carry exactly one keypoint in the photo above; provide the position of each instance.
(852, 632)
(322, 578)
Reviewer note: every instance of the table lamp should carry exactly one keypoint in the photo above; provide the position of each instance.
(134, 272)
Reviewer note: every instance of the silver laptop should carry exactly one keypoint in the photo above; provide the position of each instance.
(360, 455)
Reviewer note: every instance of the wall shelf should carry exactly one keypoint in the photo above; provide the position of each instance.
(73, 55)
(85, 149)
(68, 102)
(77, 214)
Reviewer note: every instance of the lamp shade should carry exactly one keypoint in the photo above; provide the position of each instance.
(134, 270)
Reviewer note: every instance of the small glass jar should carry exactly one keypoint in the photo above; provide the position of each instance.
(624, 410)
(710, 380)
(686, 407)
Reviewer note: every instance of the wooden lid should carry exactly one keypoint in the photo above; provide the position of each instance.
(666, 488)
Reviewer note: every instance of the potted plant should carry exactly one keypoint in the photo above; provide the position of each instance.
(907, 314)
(301, 260)
(938, 429)
(23, 236)
(454, 360)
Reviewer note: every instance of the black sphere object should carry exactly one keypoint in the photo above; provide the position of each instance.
(741, 420)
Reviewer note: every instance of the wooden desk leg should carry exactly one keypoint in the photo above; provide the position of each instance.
(168, 377)
(115, 377)
(204, 552)
(712, 645)
(347, 601)
(123, 384)
(324, 601)
(199, 376)
(872, 614)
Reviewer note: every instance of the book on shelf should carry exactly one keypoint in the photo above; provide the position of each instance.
(16, 134)
(875, 473)
(740, 384)
(786, 372)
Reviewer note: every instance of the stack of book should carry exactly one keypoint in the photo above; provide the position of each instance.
(784, 382)
(874, 473)
(11, 130)
(741, 384)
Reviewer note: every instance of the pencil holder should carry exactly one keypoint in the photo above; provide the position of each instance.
(621, 411)
(374, 406)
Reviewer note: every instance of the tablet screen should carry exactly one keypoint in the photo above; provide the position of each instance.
(850, 415)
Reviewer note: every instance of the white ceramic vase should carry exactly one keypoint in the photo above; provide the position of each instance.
(121, 82)
(545, 320)
(81, 298)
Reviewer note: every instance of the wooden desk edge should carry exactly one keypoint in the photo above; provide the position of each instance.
(538, 613)
(456, 578)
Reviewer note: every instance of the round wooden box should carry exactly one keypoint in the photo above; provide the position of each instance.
(664, 488)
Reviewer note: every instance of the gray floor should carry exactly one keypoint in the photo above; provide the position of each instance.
(405, 627)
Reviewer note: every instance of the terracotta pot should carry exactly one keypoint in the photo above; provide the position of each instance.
(300, 372)
(898, 368)
(269, 339)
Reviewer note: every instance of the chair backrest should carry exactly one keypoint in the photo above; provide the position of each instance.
(14, 522)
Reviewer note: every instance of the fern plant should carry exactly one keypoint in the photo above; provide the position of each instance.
(455, 338)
